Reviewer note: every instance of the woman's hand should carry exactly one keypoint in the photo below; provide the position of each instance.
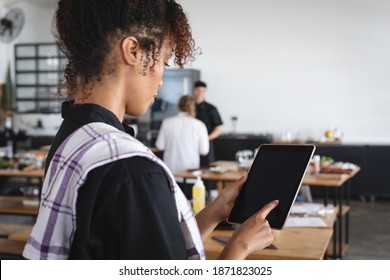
(224, 202)
(253, 235)
(219, 209)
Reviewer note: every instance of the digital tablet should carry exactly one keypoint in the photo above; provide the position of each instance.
(276, 173)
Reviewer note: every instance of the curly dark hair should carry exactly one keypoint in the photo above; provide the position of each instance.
(86, 30)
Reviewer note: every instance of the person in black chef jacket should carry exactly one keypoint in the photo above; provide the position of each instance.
(208, 114)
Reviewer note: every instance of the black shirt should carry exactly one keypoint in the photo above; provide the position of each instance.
(125, 209)
(208, 114)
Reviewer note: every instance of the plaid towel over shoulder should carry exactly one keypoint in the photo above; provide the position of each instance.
(91, 146)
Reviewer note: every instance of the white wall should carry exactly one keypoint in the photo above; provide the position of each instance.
(297, 65)
(3, 57)
(284, 65)
(28, 123)
(36, 28)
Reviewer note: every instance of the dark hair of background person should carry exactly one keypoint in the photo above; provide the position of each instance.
(187, 104)
(200, 84)
(86, 31)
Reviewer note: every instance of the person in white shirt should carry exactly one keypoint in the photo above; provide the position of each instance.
(183, 138)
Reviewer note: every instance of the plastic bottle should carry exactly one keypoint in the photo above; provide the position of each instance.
(198, 195)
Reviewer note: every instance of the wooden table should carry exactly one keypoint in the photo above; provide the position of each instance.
(8, 229)
(290, 243)
(11, 247)
(29, 173)
(207, 175)
(312, 180)
(14, 243)
(21, 235)
(35, 173)
(14, 205)
(341, 186)
(13, 239)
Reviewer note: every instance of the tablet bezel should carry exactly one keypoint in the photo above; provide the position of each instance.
(235, 218)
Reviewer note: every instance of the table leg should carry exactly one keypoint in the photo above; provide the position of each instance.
(347, 214)
(334, 238)
(340, 217)
(326, 194)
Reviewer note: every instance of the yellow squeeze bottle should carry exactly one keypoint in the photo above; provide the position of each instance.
(198, 196)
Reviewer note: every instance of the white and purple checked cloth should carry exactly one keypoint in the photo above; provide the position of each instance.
(91, 146)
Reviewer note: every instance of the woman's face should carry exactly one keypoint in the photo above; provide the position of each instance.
(143, 88)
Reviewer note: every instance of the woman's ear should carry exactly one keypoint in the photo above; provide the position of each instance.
(130, 49)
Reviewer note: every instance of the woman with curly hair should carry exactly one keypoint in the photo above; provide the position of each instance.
(106, 195)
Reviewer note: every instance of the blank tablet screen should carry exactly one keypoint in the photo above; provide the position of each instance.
(276, 173)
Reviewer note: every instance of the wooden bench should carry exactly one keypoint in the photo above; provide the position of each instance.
(17, 205)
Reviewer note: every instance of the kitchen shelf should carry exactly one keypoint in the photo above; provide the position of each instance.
(38, 69)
